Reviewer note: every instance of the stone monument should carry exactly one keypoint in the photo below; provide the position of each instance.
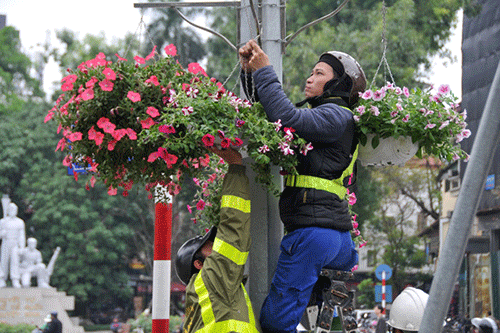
(23, 303)
(12, 233)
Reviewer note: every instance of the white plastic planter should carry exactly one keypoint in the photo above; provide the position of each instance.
(390, 151)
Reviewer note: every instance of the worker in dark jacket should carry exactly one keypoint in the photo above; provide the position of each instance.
(212, 265)
(312, 206)
(54, 326)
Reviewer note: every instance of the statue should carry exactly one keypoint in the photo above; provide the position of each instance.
(31, 265)
(13, 238)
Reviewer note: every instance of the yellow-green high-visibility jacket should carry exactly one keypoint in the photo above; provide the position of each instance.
(216, 300)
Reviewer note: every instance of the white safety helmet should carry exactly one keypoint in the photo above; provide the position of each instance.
(408, 309)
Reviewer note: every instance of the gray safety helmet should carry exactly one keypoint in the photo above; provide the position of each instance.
(353, 70)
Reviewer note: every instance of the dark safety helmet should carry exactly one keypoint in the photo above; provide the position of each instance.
(185, 256)
(351, 69)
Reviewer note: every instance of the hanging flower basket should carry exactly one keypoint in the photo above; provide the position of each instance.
(150, 121)
(394, 124)
(389, 151)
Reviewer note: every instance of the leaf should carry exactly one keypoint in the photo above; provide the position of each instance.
(362, 139)
(375, 141)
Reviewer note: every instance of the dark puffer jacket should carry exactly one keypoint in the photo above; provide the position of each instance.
(330, 128)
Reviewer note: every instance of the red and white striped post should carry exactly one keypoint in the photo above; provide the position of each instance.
(383, 291)
(162, 267)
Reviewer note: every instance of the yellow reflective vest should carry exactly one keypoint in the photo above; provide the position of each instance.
(216, 300)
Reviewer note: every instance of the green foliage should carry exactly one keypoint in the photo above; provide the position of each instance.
(366, 294)
(19, 328)
(405, 193)
(16, 83)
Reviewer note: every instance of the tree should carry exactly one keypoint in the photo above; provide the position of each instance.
(408, 194)
(16, 83)
(366, 294)
(167, 27)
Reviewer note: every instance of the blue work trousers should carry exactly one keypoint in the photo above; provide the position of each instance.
(304, 252)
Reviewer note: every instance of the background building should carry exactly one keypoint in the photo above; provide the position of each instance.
(479, 278)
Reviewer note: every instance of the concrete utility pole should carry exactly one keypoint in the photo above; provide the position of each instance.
(267, 229)
(483, 150)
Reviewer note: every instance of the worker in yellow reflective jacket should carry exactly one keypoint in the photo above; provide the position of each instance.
(212, 265)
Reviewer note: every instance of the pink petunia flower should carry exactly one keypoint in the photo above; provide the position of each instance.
(119, 134)
(429, 125)
(237, 142)
(368, 94)
(378, 95)
(152, 111)
(205, 161)
(120, 58)
(67, 86)
(168, 129)
(153, 156)
(208, 140)
(132, 135)
(189, 209)
(444, 124)
(69, 78)
(225, 143)
(239, 123)
(200, 205)
(133, 96)
(49, 116)
(285, 149)
(106, 85)
(109, 73)
(139, 60)
(171, 50)
(277, 125)
(361, 109)
(306, 148)
(187, 110)
(112, 191)
(111, 145)
(375, 111)
(88, 94)
(147, 123)
(406, 92)
(406, 118)
(153, 80)
(76, 136)
(264, 149)
(108, 127)
(195, 68)
(91, 83)
(444, 89)
(152, 54)
(352, 198)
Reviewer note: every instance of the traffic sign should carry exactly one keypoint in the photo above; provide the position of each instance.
(383, 268)
(388, 294)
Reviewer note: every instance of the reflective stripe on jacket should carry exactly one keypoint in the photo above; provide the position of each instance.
(216, 300)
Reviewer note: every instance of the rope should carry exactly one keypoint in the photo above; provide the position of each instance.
(383, 60)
